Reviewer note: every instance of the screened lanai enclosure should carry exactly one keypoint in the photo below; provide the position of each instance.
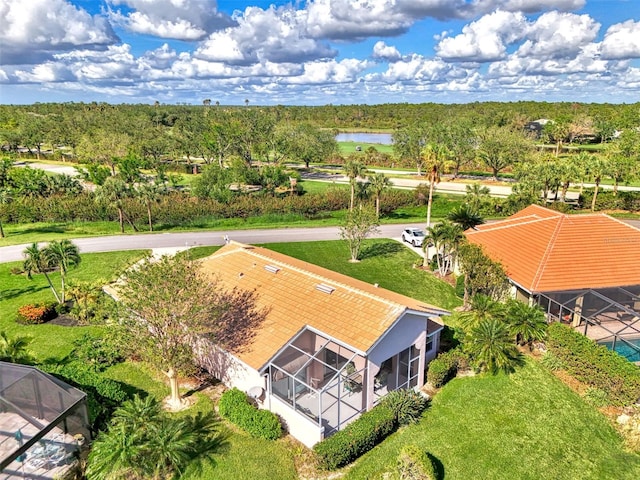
(609, 316)
(327, 382)
(43, 422)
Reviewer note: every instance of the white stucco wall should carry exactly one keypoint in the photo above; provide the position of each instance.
(406, 332)
(302, 428)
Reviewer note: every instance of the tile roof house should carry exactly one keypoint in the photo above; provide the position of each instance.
(330, 346)
(583, 269)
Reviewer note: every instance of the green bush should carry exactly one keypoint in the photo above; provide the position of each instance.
(552, 362)
(407, 405)
(103, 394)
(235, 407)
(595, 365)
(415, 464)
(97, 352)
(356, 439)
(445, 367)
(460, 286)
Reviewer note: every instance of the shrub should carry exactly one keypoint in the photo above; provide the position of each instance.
(103, 394)
(552, 362)
(459, 286)
(62, 308)
(445, 367)
(97, 352)
(595, 365)
(356, 439)
(596, 397)
(36, 313)
(407, 405)
(235, 407)
(415, 464)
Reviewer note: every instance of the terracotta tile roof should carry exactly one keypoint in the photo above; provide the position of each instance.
(355, 312)
(543, 250)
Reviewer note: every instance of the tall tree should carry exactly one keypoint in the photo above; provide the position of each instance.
(437, 159)
(408, 143)
(360, 223)
(353, 169)
(63, 255)
(500, 148)
(150, 193)
(114, 191)
(5, 199)
(445, 237)
(378, 183)
(597, 168)
(36, 262)
(481, 274)
(169, 304)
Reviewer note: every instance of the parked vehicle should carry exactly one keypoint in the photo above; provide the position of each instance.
(414, 236)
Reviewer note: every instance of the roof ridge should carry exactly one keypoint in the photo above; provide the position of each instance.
(514, 223)
(396, 305)
(547, 252)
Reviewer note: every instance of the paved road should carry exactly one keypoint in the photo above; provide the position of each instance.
(190, 239)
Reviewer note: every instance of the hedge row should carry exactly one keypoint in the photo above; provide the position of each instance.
(235, 407)
(103, 394)
(179, 208)
(445, 367)
(606, 200)
(357, 438)
(595, 365)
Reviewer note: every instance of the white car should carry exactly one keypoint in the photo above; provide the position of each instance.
(414, 236)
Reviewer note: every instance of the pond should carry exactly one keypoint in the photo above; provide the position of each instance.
(361, 137)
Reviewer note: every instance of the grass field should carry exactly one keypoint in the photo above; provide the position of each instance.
(526, 426)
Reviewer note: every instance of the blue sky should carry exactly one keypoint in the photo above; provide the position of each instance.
(318, 52)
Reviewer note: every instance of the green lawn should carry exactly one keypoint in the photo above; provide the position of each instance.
(347, 148)
(528, 425)
(53, 341)
(385, 262)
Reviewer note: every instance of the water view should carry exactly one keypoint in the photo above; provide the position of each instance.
(360, 137)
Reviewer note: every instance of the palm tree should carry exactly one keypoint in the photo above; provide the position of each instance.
(62, 254)
(491, 346)
(445, 237)
(145, 443)
(465, 216)
(353, 169)
(483, 308)
(437, 158)
(150, 193)
(15, 349)
(596, 169)
(378, 183)
(114, 191)
(527, 323)
(5, 199)
(476, 195)
(35, 261)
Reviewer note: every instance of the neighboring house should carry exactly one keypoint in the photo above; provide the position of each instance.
(43, 421)
(330, 347)
(535, 127)
(581, 269)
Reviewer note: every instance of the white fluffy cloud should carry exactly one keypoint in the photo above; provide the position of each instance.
(33, 30)
(485, 39)
(385, 52)
(622, 41)
(559, 35)
(274, 34)
(179, 19)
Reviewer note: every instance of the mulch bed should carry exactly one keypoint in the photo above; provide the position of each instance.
(64, 321)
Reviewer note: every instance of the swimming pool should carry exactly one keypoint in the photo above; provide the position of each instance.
(627, 351)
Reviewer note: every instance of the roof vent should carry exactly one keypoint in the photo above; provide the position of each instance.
(324, 288)
(271, 268)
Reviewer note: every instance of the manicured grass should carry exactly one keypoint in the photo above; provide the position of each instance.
(347, 148)
(53, 341)
(385, 262)
(528, 425)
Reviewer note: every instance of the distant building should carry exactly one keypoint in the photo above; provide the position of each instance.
(535, 128)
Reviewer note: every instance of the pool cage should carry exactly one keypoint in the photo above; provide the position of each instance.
(43, 421)
(321, 379)
(609, 316)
